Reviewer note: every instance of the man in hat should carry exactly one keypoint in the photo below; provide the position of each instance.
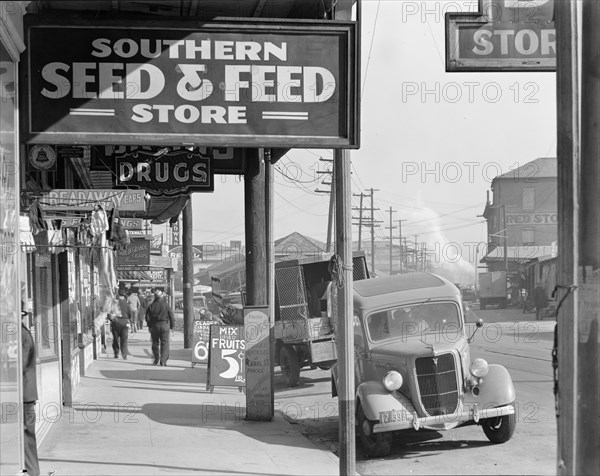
(161, 321)
(30, 396)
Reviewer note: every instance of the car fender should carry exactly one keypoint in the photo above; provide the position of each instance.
(375, 398)
(495, 389)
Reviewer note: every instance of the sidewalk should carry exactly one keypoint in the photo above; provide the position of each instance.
(133, 418)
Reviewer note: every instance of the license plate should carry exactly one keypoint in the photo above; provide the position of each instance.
(392, 416)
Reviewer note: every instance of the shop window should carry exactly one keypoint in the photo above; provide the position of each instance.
(529, 199)
(528, 236)
(47, 324)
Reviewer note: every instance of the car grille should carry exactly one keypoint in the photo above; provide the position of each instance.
(437, 384)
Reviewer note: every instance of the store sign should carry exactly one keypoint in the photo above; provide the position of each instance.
(136, 253)
(532, 218)
(177, 252)
(226, 362)
(236, 84)
(42, 158)
(170, 173)
(74, 199)
(132, 223)
(201, 341)
(504, 35)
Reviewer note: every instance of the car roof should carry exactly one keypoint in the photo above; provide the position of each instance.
(398, 289)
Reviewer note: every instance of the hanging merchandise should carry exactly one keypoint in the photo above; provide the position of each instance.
(84, 232)
(117, 233)
(99, 226)
(37, 218)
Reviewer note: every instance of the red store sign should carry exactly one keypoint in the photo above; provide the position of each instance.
(234, 84)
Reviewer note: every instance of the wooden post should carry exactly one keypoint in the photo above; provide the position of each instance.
(259, 398)
(587, 457)
(567, 102)
(188, 274)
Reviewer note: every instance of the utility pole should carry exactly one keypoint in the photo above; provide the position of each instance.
(391, 228)
(416, 253)
(505, 241)
(331, 192)
(400, 241)
(373, 190)
(588, 293)
(360, 217)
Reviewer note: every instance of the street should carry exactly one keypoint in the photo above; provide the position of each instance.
(509, 338)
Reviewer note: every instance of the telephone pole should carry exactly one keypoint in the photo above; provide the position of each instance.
(400, 241)
(331, 193)
(391, 228)
(360, 218)
(372, 225)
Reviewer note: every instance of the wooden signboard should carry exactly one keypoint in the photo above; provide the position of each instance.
(259, 365)
(226, 357)
(201, 340)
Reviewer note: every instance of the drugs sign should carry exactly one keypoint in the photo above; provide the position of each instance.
(505, 35)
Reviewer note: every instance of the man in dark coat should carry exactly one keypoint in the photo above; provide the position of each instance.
(119, 326)
(161, 321)
(30, 396)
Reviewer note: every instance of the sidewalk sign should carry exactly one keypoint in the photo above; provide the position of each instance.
(201, 339)
(226, 357)
(259, 363)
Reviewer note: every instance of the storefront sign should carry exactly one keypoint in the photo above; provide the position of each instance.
(136, 253)
(176, 233)
(164, 173)
(239, 84)
(132, 223)
(42, 158)
(504, 35)
(259, 368)
(201, 338)
(74, 199)
(532, 218)
(177, 252)
(226, 357)
(224, 160)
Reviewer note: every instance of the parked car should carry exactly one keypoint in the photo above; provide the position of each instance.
(413, 367)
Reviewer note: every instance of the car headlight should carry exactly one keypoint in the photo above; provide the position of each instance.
(392, 380)
(479, 368)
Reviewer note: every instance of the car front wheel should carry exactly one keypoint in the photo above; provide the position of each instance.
(499, 429)
(290, 366)
(375, 445)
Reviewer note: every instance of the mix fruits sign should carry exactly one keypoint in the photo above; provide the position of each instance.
(504, 35)
(235, 84)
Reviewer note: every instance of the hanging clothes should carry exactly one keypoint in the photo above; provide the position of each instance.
(37, 218)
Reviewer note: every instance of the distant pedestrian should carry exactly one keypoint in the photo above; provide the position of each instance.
(134, 307)
(161, 321)
(143, 307)
(30, 396)
(119, 326)
(541, 301)
(124, 309)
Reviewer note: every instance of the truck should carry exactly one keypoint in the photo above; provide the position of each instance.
(304, 329)
(304, 325)
(492, 289)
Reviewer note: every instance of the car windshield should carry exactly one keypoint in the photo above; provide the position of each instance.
(415, 320)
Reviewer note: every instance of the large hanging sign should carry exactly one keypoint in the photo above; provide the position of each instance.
(504, 35)
(245, 84)
(86, 200)
(171, 173)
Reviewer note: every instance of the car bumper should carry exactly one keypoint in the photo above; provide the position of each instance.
(402, 420)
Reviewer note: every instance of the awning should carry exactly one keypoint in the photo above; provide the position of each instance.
(521, 254)
(133, 276)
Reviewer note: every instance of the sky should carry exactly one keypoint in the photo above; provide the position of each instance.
(431, 141)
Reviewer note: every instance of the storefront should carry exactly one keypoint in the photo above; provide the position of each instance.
(11, 45)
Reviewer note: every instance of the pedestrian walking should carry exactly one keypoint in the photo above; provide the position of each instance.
(161, 321)
(30, 396)
(119, 326)
(134, 308)
(143, 308)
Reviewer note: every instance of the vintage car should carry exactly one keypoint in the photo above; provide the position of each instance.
(413, 368)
